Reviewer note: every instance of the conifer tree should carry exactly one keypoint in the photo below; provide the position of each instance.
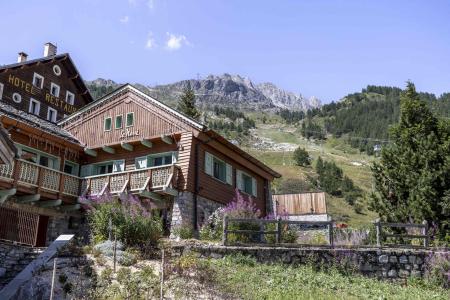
(412, 178)
(186, 104)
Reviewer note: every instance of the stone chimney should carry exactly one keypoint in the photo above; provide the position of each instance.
(22, 57)
(49, 50)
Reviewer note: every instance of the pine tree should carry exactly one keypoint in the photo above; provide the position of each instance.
(186, 104)
(412, 178)
(301, 157)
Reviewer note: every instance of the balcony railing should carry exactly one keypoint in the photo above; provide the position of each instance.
(29, 174)
(153, 178)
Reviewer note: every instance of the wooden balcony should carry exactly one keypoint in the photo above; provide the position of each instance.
(148, 182)
(27, 178)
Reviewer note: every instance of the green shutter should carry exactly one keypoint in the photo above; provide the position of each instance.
(254, 187)
(239, 182)
(229, 174)
(208, 164)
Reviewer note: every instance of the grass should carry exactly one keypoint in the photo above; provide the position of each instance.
(243, 278)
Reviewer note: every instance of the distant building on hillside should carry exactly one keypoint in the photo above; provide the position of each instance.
(301, 207)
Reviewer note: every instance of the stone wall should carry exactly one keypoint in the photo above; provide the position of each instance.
(13, 259)
(66, 224)
(381, 263)
(183, 208)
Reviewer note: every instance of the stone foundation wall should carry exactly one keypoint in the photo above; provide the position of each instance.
(13, 259)
(385, 263)
(183, 209)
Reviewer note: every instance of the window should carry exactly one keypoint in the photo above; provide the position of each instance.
(130, 119)
(35, 156)
(118, 121)
(1, 90)
(246, 183)
(17, 97)
(51, 114)
(141, 162)
(108, 123)
(38, 80)
(109, 167)
(54, 89)
(56, 70)
(218, 169)
(70, 98)
(35, 106)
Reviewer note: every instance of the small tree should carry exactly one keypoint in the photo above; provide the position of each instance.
(186, 104)
(301, 157)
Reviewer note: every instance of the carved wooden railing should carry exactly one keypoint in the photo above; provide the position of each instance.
(26, 173)
(135, 180)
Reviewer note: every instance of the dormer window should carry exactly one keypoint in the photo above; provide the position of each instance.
(38, 80)
(35, 107)
(70, 98)
(119, 122)
(130, 119)
(51, 115)
(54, 89)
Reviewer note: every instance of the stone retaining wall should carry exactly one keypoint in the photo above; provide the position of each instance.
(381, 263)
(13, 259)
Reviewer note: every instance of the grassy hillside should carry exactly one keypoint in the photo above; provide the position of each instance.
(354, 164)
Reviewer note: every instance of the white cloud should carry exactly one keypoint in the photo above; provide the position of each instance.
(124, 19)
(150, 4)
(175, 42)
(150, 43)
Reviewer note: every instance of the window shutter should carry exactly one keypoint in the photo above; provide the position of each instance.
(239, 180)
(141, 162)
(86, 170)
(254, 187)
(229, 174)
(208, 164)
(118, 166)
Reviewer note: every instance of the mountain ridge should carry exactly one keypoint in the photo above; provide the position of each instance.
(226, 90)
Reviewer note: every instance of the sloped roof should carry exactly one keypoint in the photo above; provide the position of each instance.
(36, 122)
(78, 80)
(300, 204)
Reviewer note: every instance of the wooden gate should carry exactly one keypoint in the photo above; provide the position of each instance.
(18, 226)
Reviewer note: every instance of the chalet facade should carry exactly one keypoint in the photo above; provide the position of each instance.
(63, 145)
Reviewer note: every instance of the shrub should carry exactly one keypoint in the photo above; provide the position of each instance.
(301, 157)
(438, 269)
(212, 229)
(130, 218)
(126, 259)
(183, 231)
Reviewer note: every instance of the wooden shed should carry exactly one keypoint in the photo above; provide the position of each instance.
(303, 206)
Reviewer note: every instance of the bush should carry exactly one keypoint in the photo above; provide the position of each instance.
(438, 269)
(212, 229)
(130, 218)
(126, 259)
(301, 157)
(185, 232)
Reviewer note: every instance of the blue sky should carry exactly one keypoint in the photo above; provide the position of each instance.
(322, 48)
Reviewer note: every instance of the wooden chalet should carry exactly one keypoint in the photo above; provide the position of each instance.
(58, 144)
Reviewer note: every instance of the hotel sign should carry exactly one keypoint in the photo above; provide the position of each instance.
(129, 133)
(35, 91)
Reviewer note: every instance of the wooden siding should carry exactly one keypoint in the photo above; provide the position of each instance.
(20, 81)
(219, 191)
(186, 162)
(149, 121)
(299, 204)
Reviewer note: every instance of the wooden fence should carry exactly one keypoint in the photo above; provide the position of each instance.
(380, 234)
(278, 232)
(279, 223)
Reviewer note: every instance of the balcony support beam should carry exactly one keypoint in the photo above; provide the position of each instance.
(170, 191)
(147, 143)
(9, 192)
(126, 146)
(71, 207)
(167, 139)
(90, 152)
(28, 198)
(151, 195)
(50, 203)
(108, 149)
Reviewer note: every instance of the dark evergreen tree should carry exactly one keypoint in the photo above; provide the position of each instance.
(412, 178)
(186, 104)
(301, 157)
